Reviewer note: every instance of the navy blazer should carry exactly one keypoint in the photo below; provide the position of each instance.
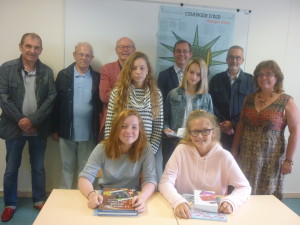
(167, 81)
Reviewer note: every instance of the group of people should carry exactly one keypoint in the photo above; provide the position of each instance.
(116, 122)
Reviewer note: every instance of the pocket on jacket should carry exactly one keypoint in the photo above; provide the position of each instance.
(175, 101)
(13, 90)
(243, 92)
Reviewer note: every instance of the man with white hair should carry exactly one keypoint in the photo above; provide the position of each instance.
(76, 113)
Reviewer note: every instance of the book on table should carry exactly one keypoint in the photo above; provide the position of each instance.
(116, 202)
(206, 201)
(197, 213)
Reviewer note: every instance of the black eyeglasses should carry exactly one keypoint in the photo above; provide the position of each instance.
(204, 132)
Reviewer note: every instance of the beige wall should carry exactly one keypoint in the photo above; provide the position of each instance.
(273, 34)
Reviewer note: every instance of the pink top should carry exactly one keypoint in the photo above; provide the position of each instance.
(186, 171)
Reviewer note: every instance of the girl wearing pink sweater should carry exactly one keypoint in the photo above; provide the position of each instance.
(200, 162)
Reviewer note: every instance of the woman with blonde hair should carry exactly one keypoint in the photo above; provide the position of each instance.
(137, 89)
(199, 162)
(191, 94)
(123, 156)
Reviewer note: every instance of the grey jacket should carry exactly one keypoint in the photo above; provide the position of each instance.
(176, 104)
(12, 92)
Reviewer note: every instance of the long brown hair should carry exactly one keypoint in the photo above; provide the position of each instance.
(112, 143)
(123, 85)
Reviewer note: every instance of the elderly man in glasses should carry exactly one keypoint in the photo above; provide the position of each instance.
(76, 113)
(110, 73)
(228, 91)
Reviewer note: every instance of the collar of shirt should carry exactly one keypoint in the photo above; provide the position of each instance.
(236, 77)
(176, 68)
(86, 75)
(28, 74)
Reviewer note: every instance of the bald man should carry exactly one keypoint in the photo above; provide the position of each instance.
(76, 113)
(110, 73)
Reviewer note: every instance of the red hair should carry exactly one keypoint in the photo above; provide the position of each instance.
(112, 143)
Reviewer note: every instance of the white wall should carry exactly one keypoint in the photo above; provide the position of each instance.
(273, 34)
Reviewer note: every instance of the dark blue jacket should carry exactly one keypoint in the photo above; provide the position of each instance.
(63, 109)
(167, 81)
(228, 99)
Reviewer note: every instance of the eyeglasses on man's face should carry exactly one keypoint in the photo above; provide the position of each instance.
(179, 51)
(237, 58)
(122, 47)
(82, 55)
(203, 132)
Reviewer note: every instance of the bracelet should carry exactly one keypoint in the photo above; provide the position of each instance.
(90, 193)
(289, 161)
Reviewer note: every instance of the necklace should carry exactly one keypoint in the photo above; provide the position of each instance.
(264, 100)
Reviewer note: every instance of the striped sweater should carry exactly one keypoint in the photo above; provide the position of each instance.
(142, 103)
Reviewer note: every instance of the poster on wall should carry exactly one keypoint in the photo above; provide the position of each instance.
(210, 33)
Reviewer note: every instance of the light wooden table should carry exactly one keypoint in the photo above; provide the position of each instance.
(258, 210)
(65, 207)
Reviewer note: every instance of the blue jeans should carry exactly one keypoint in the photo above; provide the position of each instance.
(14, 149)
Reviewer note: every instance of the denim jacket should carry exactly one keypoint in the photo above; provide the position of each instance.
(175, 107)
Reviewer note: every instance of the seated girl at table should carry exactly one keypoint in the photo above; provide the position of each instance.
(199, 162)
(123, 156)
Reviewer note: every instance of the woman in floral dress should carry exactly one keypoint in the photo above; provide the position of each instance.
(259, 143)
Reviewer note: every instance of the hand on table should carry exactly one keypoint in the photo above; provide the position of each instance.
(94, 200)
(138, 203)
(183, 211)
(225, 207)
